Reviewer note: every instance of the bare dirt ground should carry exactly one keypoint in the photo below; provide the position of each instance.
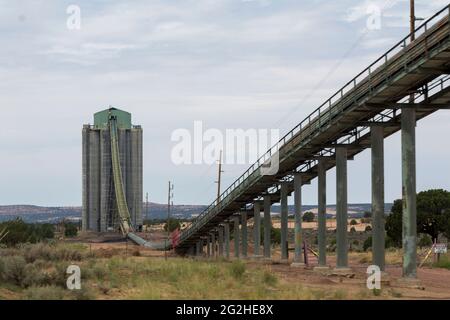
(435, 281)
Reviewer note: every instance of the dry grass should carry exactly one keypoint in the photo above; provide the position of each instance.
(39, 272)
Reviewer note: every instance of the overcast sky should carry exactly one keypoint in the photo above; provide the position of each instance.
(229, 63)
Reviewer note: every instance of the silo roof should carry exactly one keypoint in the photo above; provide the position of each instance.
(123, 118)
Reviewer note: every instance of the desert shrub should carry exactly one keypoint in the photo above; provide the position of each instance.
(237, 269)
(51, 253)
(7, 251)
(105, 253)
(13, 270)
(59, 274)
(99, 273)
(67, 254)
(368, 229)
(269, 278)
(353, 222)
(136, 252)
(45, 293)
(352, 230)
(35, 276)
(38, 252)
(70, 229)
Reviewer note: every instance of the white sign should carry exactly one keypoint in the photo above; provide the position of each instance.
(440, 248)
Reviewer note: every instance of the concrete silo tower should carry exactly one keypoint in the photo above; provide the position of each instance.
(112, 137)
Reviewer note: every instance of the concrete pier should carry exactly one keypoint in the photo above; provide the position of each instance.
(341, 208)
(220, 236)
(208, 246)
(213, 245)
(226, 230)
(236, 237)
(322, 214)
(284, 222)
(267, 226)
(257, 230)
(198, 249)
(408, 121)
(377, 150)
(298, 257)
(244, 232)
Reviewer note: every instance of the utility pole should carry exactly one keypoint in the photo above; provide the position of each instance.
(412, 20)
(146, 206)
(219, 177)
(146, 211)
(169, 204)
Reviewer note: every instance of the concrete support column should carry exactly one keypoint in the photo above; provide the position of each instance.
(198, 251)
(267, 226)
(244, 234)
(220, 232)
(322, 214)
(213, 245)
(341, 208)
(377, 145)
(208, 246)
(257, 229)
(236, 237)
(226, 229)
(409, 193)
(284, 222)
(298, 257)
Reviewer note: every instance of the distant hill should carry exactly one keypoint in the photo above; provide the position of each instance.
(30, 213)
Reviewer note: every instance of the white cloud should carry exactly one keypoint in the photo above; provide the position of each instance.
(230, 63)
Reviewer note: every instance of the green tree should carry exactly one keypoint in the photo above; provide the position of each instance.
(21, 232)
(433, 215)
(394, 223)
(367, 243)
(424, 240)
(70, 229)
(275, 234)
(173, 224)
(308, 216)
